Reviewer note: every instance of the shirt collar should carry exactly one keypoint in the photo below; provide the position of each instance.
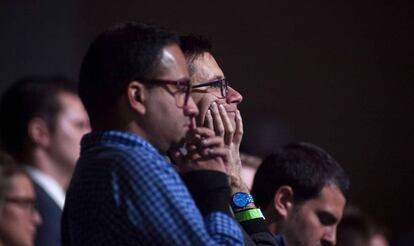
(280, 240)
(48, 184)
(118, 138)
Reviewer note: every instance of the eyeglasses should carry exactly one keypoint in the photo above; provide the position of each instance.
(28, 204)
(182, 95)
(222, 84)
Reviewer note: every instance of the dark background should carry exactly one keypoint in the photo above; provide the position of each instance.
(335, 73)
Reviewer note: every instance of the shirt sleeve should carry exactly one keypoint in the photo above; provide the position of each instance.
(211, 192)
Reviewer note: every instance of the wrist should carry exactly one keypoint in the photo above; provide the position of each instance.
(241, 201)
(248, 214)
(237, 185)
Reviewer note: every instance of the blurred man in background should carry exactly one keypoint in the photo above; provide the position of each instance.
(42, 123)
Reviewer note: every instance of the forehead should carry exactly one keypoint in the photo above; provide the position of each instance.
(330, 200)
(21, 186)
(71, 106)
(205, 68)
(69, 100)
(172, 63)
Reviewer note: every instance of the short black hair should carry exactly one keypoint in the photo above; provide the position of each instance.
(119, 55)
(30, 97)
(194, 46)
(305, 167)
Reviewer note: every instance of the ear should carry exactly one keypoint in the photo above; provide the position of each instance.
(39, 132)
(283, 201)
(136, 95)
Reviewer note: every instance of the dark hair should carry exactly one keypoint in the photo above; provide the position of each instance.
(116, 57)
(194, 46)
(8, 170)
(30, 97)
(304, 167)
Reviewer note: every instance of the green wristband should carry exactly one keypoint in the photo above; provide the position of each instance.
(249, 214)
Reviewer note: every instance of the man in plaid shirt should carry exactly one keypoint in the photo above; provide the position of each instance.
(135, 86)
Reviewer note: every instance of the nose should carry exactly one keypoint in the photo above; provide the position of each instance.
(329, 237)
(191, 108)
(37, 219)
(234, 96)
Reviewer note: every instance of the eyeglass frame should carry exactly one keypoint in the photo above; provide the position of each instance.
(28, 204)
(224, 90)
(186, 82)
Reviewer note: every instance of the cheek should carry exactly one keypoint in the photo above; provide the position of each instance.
(314, 229)
(69, 133)
(203, 103)
(308, 228)
(13, 219)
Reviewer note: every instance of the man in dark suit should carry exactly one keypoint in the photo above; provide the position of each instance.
(42, 122)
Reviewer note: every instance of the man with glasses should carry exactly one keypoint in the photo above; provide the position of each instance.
(135, 85)
(18, 214)
(217, 102)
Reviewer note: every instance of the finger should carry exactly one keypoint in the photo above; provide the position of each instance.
(238, 133)
(208, 120)
(203, 132)
(191, 148)
(193, 123)
(218, 123)
(192, 137)
(216, 153)
(211, 142)
(175, 156)
(228, 126)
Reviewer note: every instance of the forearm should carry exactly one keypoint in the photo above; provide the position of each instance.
(210, 190)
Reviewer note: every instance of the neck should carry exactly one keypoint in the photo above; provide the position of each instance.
(132, 126)
(41, 160)
(274, 224)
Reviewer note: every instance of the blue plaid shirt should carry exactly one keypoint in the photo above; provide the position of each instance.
(124, 192)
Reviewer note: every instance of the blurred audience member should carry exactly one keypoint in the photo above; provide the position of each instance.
(250, 163)
(406, 239)
(273, 134)
(355, 229)
(302, 190)
(42, 123)
(18, 215)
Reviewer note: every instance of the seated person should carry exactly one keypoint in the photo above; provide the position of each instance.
(217, 103)
(42, 123)
(18, 215)
(302, 191)
(135, 86)
(357, 229)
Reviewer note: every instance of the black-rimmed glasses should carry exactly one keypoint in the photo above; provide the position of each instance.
(184, 89)
(222, 84)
